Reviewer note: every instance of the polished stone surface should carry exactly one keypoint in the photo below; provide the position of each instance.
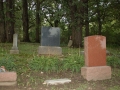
(95, 50)
(50, 36)
(96, 73)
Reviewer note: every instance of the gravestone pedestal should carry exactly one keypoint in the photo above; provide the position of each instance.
(96, 73)
(50, 41)
(49, 50)
(8, 78)
(14, 49)
(95, 59)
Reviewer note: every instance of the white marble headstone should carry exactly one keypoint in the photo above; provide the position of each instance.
(14, 49)
(15, 42)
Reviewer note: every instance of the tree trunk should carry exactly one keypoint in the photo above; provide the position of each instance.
(2, 30)
(86, 19)
(25, 21)
(56, 23)
(76, 23)
(99, 18)
(38, 25)
(9, 20)
(77, 37)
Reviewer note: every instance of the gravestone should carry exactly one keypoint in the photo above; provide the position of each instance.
(8, 78)
(57, 81)
(95, 59)
(50, 41)
(70, 42)
(14, 49)
(50, 36)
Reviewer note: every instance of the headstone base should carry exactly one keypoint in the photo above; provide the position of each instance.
(49, 50)
(14, 51)
(96, 73)
(8, 83)
(8, 78)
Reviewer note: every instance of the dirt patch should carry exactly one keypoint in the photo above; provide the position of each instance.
(34, 81)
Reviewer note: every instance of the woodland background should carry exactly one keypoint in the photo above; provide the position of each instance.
(76, 18)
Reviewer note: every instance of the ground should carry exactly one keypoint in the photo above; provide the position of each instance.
(33, 80)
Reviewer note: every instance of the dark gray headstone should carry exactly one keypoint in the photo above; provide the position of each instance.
(50, 36)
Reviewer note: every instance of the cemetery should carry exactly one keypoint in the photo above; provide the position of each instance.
(59, 45)
(28, 70)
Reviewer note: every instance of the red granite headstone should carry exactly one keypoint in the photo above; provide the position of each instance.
(95, 50)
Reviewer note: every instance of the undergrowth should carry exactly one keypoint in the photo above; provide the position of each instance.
(55, 64)
(8, 62)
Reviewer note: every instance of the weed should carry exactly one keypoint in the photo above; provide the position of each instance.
(82, 87)
(73, 63)
(113, 61)
(53, 64)
(114, 88)
(8, 62)
(43, 63)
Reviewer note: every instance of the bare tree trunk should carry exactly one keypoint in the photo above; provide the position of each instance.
(9, 20)
(38, 25)
(25, 21)
(2, 30)
(86, 19)
(56, 22)
(80, 21)
(76, 23)
(99, 18)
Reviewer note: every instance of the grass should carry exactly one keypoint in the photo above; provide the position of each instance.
(49, 67)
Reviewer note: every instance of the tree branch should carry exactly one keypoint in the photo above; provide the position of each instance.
(48, 21)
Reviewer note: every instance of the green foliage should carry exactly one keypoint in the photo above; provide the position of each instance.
(113, 61)
(44, 63)
(49, 64)
(117, 87)
(73, 63)
(8, 62)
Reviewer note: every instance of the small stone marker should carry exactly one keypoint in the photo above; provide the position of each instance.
(8, 78)
(95, 59)
(56, 81)
(70, 43)
(50, 41)
(14, 49)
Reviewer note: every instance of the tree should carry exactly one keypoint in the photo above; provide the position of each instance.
(9, 20)
(86, 18)
(99, 17)
(37, 21)
(2, 29)
(76, 16)
(25, 21)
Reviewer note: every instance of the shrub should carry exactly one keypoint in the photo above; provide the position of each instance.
(8, 62)
(113, 61)
(44, 63)
(49, 64)
(73, 63)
